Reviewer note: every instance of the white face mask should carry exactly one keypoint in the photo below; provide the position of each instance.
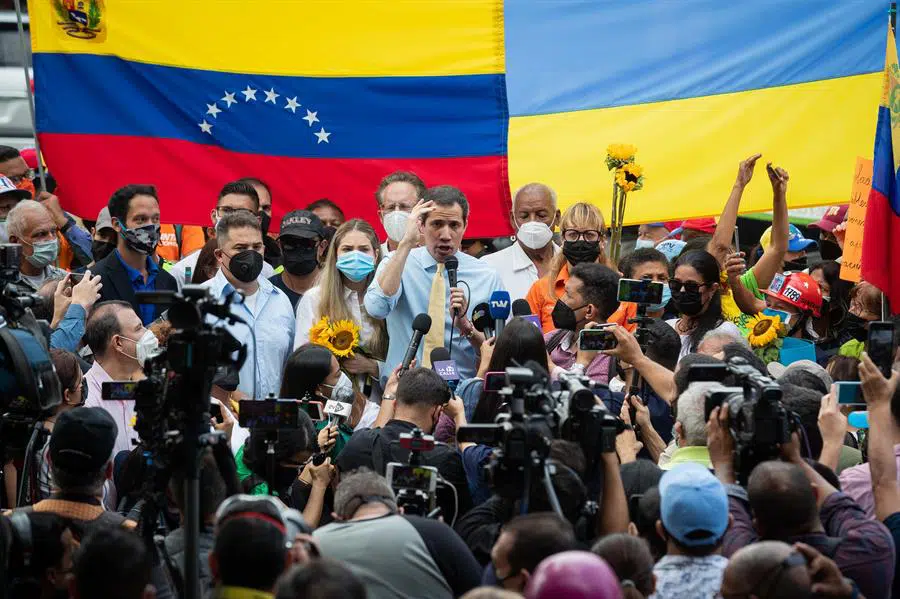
(534, 234)
(644, 243)
(342, 390)
(146, 347)
(395, 224)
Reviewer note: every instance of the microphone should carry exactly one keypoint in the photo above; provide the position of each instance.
(452, 265)
(499, 310)
(442, 364)
(338, 411)
(481, 319)
(521, 308)
(421, 325)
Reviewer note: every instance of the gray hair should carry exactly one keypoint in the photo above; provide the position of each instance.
(691, 412)
(535, 188)
(359, 488)
(16, 220)
(723, 338)
(239, 219)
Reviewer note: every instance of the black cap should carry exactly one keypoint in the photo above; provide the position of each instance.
(83, 439)
(302, 223)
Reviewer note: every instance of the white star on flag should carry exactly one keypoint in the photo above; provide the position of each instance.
(205, 127)
(311, 117)
(271, 96)
(229, 99)
(213, 110)
(322, 135)
(249, 94)
(292, 104)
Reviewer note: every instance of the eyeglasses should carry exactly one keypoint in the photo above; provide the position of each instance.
(289, 244)
(676, 285)
(590, 235)
(226, 210)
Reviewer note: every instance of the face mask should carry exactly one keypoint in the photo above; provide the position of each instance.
(784, 316)
(45, 252)
(144, 348)
(27, 185)
(142, 240)
(342, 390)
(580, 251)
(855, 326)
(300, 262)
(829, 250)
(534, 234)
(246, 265)
(101, 249)
(688, 303)
(641, 244)
(666, 297)
(264, 222)
(356, 265)
(797, 265)
(564, 317)
(395, 224)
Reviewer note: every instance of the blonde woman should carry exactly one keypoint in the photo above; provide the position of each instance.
(584, 240)
(349, 267)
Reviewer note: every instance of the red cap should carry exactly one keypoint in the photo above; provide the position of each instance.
(704, 225)
(30, 157)
(834, 216)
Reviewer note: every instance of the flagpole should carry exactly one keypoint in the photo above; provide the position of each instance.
(30, 95)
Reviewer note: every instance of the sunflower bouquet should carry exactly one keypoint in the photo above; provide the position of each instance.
(766, 336)
(340, 337)
(628, 177)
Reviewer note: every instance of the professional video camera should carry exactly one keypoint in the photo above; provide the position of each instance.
(415, 484)
(757, 419)
(172, 406)
(29, 387)
(590, 423)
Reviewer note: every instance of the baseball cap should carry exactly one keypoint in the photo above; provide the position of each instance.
(302, 223)
(265, 508)
(796, 241)
(574, 575)
(104, 220)
(704, 225)
(834, 216)
(671, 248)
(778, 370)
(83, 439)
(29, 155)
(7, 187)
(669, 225)
(693, 505)
(639, 476)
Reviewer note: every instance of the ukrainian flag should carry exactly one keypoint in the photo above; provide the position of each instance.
(324, 97)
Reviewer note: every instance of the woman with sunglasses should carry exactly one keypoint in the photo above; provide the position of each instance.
(582, 230)
(349, 267)
(698, 298)
(74, 394)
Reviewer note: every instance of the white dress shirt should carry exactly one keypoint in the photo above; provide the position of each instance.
(122, 411)
(516, 269)
(272, 319)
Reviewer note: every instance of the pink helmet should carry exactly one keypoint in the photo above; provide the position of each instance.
(573, 575)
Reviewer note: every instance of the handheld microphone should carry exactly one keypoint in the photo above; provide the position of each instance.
(481, 319)
(337, 411)
(421, 325)
(446, 368)
(522, 309)
(499, 310)
(452, 265)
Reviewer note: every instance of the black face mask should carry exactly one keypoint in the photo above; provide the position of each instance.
(300, 262)
(246, 265)
(564, 316)
(797, 265)
(580, 251)
(829, 250)
(855, 326)
(688, 303)
(264, 222)
(101, 249)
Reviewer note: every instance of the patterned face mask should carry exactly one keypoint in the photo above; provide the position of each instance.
(142, 240)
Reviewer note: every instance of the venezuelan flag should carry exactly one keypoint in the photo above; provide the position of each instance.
(881, 239)
(324, 97)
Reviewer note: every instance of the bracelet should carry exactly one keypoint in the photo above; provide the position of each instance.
(388, 397)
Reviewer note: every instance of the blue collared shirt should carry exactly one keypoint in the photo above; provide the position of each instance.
(145, 311)
(272, 319)
(411, 299)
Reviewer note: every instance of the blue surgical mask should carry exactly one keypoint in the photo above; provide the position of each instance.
(644, 243)
(666, 296)
(356, 265)
(784, 316)
(45, 252)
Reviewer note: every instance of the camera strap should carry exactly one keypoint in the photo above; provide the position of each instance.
(378, 453)
(556, 339)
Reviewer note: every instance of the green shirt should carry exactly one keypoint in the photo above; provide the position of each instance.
(685, 455)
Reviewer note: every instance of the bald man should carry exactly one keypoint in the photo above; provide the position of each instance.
(31, 225)
(769, 569)
(533, 216)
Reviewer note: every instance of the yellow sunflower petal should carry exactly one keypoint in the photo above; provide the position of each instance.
(763, 330)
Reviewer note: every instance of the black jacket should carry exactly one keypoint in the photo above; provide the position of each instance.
(117, 286)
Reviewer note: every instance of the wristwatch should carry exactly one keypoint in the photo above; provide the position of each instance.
(388, 397)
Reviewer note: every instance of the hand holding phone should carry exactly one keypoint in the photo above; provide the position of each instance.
(597, 339)
(880, 346)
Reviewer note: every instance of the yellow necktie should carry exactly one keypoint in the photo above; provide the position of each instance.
(437, 310)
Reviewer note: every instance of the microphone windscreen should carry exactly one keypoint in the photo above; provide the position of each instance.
(520, 307)
(481, 317)
(439, 354)
(421, 323)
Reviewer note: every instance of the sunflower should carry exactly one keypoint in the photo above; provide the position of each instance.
(344, 338)
(630, 177)
(619, 154)
(763, 330)
(320, 331)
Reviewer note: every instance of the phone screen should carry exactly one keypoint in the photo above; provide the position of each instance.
(640, 291)
(880, 346)
(405, 476)
(849, 393)
(596, 339)
(313, 409)
(268, 414)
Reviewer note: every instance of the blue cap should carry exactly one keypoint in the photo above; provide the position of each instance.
(671, 248)
(796, 241)
(693, 505)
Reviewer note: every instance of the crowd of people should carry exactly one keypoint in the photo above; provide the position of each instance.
(673, 506)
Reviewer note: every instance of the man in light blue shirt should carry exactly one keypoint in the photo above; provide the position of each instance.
(265, 307)
(402, 286)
